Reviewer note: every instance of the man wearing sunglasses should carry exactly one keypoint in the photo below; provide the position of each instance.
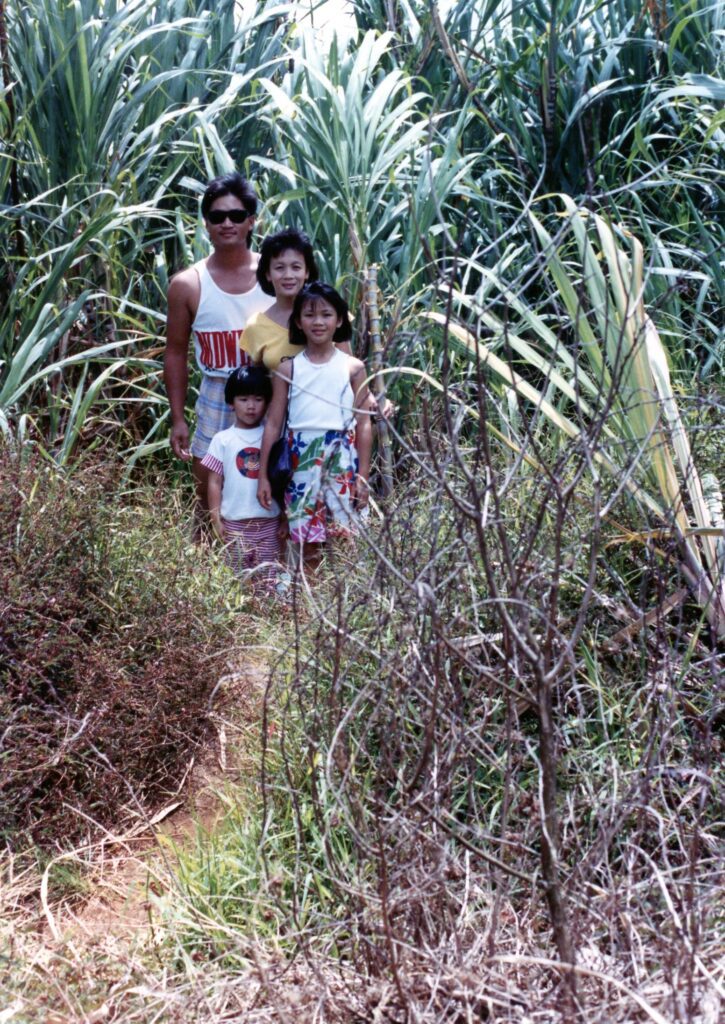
(212, 302)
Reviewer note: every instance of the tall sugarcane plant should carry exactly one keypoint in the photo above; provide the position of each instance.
(604, 367)
(109, 107)
(363, 165)
(420, 147)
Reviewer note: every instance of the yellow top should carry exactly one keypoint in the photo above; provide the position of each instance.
(267, 342)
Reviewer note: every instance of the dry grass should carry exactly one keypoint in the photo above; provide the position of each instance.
(111, 644)
(386, 860)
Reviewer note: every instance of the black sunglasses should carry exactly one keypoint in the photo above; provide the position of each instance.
(235, 216)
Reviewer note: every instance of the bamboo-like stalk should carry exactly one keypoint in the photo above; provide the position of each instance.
(378, 380)
(6, 82)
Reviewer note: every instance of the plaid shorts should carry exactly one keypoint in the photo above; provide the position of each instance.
(212, 414)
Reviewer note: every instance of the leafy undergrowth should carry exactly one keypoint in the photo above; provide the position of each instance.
(383, 859)
(113, 633)
(433, 690)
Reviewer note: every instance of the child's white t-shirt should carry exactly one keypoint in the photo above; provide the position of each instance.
(234, 453)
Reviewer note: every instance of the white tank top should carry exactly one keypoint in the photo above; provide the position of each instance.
(321, 397)
(219, 322)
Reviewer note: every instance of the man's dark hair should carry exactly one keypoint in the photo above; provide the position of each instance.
(230, 185)
(274, 245)
(248, 380)
(320, 290)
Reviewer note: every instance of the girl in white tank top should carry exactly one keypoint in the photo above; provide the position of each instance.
(323, 390)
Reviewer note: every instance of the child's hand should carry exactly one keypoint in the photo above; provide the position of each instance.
(360, 492)
(264, 493)
(386, 410)
(218, 527)
(283, 529)
(378, 411)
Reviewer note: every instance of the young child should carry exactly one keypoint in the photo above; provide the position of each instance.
(250, 531)
(286, 264)
(329, 428)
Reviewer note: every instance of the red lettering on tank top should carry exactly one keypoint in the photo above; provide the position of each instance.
(232, 342)
(203, 338)
(219, 350)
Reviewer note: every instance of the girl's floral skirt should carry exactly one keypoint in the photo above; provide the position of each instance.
(318, 500)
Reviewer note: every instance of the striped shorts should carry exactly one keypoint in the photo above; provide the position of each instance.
(253, 545)
(212, 414)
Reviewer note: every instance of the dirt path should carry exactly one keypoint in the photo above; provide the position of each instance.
(117, 912)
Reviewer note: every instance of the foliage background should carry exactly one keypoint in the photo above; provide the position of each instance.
(540, 187)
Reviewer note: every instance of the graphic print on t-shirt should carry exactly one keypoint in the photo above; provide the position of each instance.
(248, 462)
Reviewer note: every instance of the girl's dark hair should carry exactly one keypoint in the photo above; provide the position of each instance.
(230, 185)
(320, 290)
(248, 380)
(278, 243)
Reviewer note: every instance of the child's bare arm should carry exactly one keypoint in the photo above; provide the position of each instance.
(272, 428)
(363, 432)
(375, 407)
(214, 496)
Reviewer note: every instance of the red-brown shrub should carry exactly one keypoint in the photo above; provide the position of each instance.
(107, 653)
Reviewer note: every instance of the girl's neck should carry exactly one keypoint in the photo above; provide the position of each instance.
(318, 354)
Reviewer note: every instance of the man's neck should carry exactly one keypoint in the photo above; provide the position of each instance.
(232, 258)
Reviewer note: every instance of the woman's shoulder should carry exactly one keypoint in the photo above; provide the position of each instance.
(255, 319)
(260, 333)
(262, 323)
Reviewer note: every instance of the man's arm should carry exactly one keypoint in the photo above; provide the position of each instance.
(183, 298)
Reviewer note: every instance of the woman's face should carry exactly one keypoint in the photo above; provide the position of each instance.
(287, 273)
(318, 321)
